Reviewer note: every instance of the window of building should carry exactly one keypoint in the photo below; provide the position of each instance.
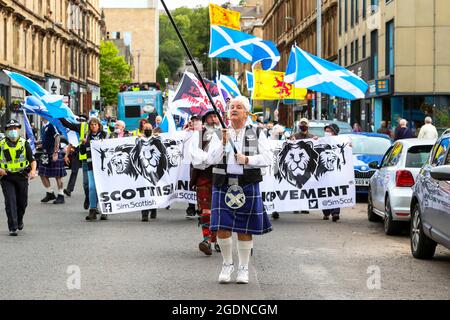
(340, 57)
(340, 17)
(41, 53)
(346, 15)
(364, 47)
(49, 53)
(374, 6)
(357, 11)
(16, 42)
(352, 52)
(352, 13)
(374, 54)
(364, 8)
(25, 51)
(356, 50)
(33, 51)
(390, 47)
(345, 56)
(5, 39)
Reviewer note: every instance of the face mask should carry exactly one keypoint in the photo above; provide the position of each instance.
(13, 134)
(328, 134)
(304, 128)
(117, 130)
(148, 133)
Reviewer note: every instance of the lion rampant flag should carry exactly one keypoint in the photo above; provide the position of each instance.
(224, 17)
(270, 85)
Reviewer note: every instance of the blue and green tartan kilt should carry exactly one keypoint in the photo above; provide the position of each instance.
(55, 168)
(251, 218)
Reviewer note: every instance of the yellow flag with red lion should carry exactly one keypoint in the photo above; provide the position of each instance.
(224, 17)
(270, 85)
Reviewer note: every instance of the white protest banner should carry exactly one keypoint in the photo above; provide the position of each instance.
(133, 174)
(309, 175)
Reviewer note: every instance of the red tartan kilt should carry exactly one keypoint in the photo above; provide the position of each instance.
(204, 193)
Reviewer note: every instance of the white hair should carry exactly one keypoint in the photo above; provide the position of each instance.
(243, 100)
(403, 122)
(121, 123)
(428, 120)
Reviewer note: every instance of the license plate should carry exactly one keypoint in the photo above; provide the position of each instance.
(362, 182)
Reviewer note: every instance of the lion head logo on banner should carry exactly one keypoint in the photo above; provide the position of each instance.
(297, 162)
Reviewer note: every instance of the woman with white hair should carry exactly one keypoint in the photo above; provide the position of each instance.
(236, 201)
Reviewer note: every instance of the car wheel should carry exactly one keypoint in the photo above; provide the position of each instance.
(372, 216)
(391, 227)
(422, 247)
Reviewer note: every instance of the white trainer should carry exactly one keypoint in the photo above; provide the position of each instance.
(225, 274)
(242, 276)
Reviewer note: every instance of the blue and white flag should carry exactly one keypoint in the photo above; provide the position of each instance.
(53, 103)
(249, 77)
(230, 84)
(168, 123)
(305, 70)
(229, 43)
(267, 53)
(29, 131)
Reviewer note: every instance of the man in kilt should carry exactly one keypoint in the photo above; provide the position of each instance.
(236, 200)
(51, 164)
(201, 176)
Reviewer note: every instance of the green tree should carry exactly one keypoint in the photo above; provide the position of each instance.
(114, 71)
(162, 73)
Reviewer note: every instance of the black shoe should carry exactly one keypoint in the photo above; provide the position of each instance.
(67, 192)
(304, 212)
(153, 214)
(86, 204)
(326, 217)
(104, 217)
(21, 226)
(59, 200)
(216, 247)
(13, 233)
(296, 212)
(275, 215)
(49, 196)
(144, 216)
(168, 208)
(335, 217)
(205, 247)
(92, 215)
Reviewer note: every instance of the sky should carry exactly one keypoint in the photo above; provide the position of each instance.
(171, 4)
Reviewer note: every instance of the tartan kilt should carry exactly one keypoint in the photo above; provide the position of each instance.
(251, 218)
(204, 193)
(55, 169)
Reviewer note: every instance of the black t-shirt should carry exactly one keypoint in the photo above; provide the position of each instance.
(48, 138)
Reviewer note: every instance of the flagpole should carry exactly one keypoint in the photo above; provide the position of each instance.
(199, 76)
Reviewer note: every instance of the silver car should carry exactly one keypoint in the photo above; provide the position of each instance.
(390, 188)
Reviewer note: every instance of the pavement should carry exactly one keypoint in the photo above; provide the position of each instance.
(303, 258)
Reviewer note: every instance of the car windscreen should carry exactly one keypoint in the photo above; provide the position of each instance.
(317, 131)
(417, 156)
(132, 111)
(370, 145)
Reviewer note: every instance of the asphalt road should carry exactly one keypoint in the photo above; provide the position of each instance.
(124, 258)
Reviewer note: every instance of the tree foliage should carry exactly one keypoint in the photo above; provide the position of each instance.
(194, 26)
(114, 71)
(162, 73)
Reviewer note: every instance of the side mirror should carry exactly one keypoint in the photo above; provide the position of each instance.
(441, 173)
(374, 165)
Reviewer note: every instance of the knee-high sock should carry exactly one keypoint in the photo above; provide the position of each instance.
(226, 247)
(244, 250)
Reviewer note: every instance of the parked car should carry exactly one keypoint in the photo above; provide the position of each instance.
(390, 188)
(316, 127)
(430, 203)
(366, 148)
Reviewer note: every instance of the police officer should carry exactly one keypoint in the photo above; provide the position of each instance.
(17, 164)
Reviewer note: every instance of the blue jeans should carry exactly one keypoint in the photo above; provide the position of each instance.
(92, 191)
(85, 179)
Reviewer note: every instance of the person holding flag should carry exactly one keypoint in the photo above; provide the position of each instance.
(17, 165)
(236, 199)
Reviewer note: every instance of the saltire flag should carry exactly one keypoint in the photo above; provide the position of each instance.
(168, 123)
(34, 105)
(267, 53)
(191, 98)
(249, 77)
(53, 103)
(224, 17)
(29, 131)
(230, 84)
(271, 85)
(305, 70)
(229, 43)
